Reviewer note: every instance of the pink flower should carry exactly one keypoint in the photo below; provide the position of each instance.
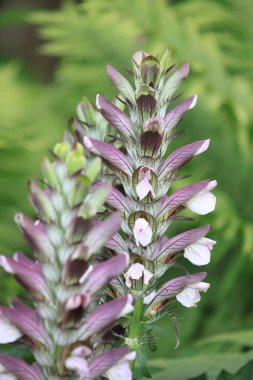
(78, 300)
(190, 295)
(144, 187)
(142, 232)
(112, 364)
(76, 361)
(204, 201)
(136, 272)
(8, 332)
(199, 253)
(121, 370)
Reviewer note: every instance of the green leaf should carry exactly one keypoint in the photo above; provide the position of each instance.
(17, 350)
(143, 361)
(187, 367)
(240, 338)
(244, 373)
(201, 377)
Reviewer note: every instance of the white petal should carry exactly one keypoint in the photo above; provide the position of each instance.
(149, 298)
(87, 142)
(136, 271)
(202, 204)
(128, 280)
(97, 102)
(198, 254)
(211, 185)
(78, 364)
(142, 232)
(119, 371)
(143, 188)
(208, 242)
(146, 236)
(6, 266)
(128, 308)
(194, 102)
(8, 332)
(203, 147)
(81, 351)
(73, 302)
(6, 375)
(201, 286)
(147, 276)
(188, 297)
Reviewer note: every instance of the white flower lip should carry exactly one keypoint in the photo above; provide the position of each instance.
(8, 332)
(190, 296)
(135, 272)
(204, 202)
(142, 232)
(199, 253)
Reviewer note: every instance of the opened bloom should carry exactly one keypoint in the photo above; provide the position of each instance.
(190, 295)
(136, 272)
(203, 202)
(144, 187)
(199, 253)
(142, 232)
(8, 332)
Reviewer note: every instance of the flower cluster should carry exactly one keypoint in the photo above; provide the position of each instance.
(67, 314)
(143, 175)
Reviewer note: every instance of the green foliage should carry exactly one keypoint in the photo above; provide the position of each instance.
(18, 350)
(244, 373)
(192, 366)
(239, 339)
(201, 377)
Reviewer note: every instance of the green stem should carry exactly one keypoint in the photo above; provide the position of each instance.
(135, 324)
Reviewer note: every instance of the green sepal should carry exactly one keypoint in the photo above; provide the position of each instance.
(76, 160)
(93, 169)
(78, 193)
(164, 62)
(145, 90)
(94, 201)
(50, 174)
(42, 202)
(150, 67)
(62, 149)
(86, 113)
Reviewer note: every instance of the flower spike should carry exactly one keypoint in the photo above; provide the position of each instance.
(67, 277)
(143, 176)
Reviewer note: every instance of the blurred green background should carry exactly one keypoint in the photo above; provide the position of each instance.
(55, 52)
